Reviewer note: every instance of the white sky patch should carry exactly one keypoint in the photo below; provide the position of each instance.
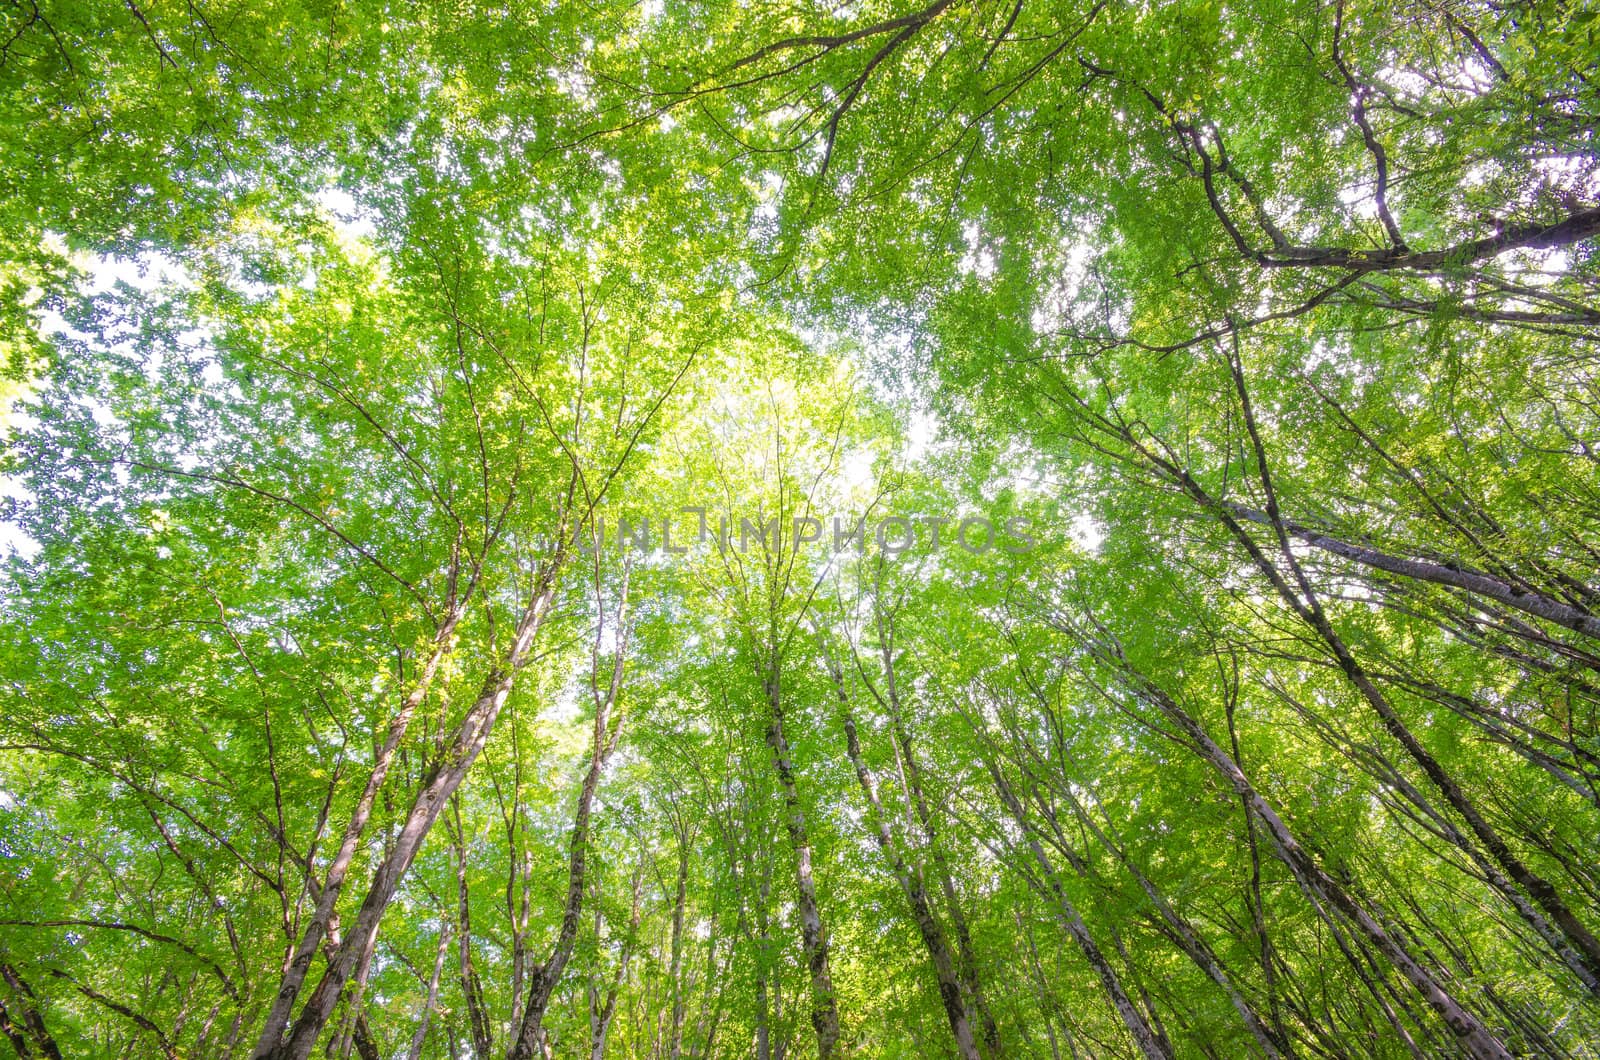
(979, 259)
(1579, 172)
(1055, 310)
(349, 218)
(573, 82)
(784, 115)
(146, 273)
(764, 218)
(13, 539)
(1087, 532)
(1407, 83)
(567, 708)
(855, 472)
(1360, 199)
(920, 433)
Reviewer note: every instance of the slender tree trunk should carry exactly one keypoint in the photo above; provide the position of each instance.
(1149, 1043)
(439, 784)
(813, 933)
(601, 1013)
(607, 731)
(1257, 907)
(1188, 939)
(1471, 1035)
(1478, 583)
(712, 997)
(519, 908)
(675, 946)
(910, 879)
(294, 975)
(1581, 951)
(1041, 990)
(763, 962)
(478, 1022)
(911, 778)
(546, 975)
(414, 1052)
(1378, 765)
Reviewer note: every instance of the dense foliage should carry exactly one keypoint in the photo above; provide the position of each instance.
(680, 529)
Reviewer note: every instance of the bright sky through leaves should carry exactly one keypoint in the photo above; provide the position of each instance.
(969, 528)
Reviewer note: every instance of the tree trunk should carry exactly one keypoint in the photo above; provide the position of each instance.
(478, 1023)
(1150, 1044)
(813, 933)
(1478, 583)
(27, 1005)
(421, 1033)
(439, 784)
(675, 947)
(1183, 933)
(272, 1030)
(911, 780)
(1471, 1035)
(910, 880)
(601, 1013)
(606, 732)
(1582, 951)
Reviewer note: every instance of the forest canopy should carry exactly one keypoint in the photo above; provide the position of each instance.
(673, 529)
